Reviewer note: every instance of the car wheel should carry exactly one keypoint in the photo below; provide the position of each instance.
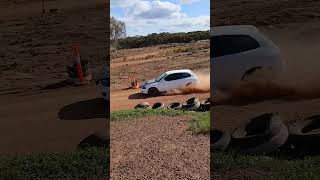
(153, 91)
(258, 74)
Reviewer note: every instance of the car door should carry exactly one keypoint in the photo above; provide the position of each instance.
(170, 81)
(186, 80)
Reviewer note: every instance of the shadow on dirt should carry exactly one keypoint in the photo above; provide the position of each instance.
(58, 85)
(138, 96)
(84, 110)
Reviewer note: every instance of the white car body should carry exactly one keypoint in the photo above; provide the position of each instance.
(171, 80)
(237, 50)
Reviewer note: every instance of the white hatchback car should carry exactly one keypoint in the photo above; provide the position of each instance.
(241, 53)
(170, 80)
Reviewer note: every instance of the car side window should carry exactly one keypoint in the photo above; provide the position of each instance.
(185, 75)
(231, 44)
(170, 77)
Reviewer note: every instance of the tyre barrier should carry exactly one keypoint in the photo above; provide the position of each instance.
(192, 104)
(205, 105)
(158, 105)
(97, 139)
(262, 134)
(219, 140)
(175, 106)
(304, 136)
(144, 105)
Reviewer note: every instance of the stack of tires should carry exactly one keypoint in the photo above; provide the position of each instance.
(192, 104)
(73, 74)
(267, 133)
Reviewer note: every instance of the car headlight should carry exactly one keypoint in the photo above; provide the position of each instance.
(143, 87)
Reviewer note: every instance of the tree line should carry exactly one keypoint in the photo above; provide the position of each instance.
(162, 38)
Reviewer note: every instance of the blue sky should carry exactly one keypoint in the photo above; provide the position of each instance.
(143, 17)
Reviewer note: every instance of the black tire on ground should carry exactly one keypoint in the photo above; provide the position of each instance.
(192, 104)
(144, 105)
(175, 106)
(304, 136)
(219, 140)
(153, 92)
(158, 105)
(97, 139)
(262, 134)
(205, 105)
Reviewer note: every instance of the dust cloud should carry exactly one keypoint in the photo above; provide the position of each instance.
(299, 80)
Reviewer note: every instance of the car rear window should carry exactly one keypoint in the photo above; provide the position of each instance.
(231, 44)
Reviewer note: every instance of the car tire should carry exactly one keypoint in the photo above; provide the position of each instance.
(192, 104)
(262, 134)
(158, 105)
(219, 140)
(153, 92)
(258, 74)
(144, 105)
(175, 106)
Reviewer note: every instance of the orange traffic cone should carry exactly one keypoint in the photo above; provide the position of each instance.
(134, 83)
(76, 57)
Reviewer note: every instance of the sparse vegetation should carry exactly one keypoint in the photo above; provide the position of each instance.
(138, 113)
(92, 163)
(199, 124)
(162, 38)
(226, 164)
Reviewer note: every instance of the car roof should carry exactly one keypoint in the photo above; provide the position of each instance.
(234, 30)
(179, 71)
(249, 30)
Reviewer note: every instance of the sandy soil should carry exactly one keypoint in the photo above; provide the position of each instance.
(158, 148)
(150, 62)
(39, 110)
(294, 26)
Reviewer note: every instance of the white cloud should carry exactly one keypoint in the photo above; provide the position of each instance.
(188, 1)
(144, 17)
(153, 9)
(123, 3)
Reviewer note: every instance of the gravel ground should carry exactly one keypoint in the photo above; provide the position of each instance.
(158, 148)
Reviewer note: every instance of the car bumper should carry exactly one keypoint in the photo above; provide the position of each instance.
(144, 91)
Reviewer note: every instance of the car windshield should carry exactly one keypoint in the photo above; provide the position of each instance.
(160, 77)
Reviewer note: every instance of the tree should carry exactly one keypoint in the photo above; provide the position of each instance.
(117, 31)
